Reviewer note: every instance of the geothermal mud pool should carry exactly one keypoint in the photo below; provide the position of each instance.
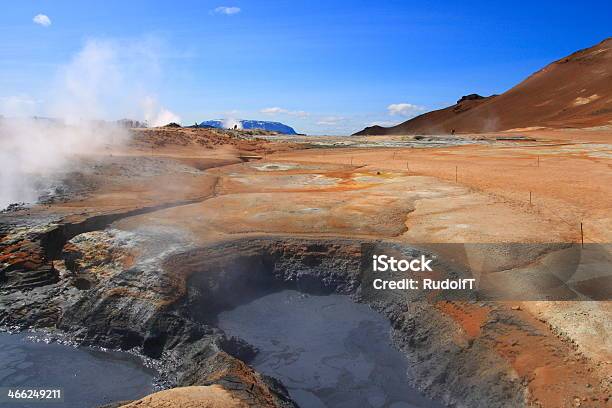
(87, 377)
(327, 350)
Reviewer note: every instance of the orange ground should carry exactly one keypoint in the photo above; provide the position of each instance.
(475, 193)
(569, 180)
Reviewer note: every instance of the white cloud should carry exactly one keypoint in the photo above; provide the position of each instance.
(273, 111)
(42, 19)
(383, 123)
(330, 120)
(228, 11)
(404, 109)
(278, 111)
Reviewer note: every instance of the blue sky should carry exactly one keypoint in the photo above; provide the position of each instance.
(323, 67)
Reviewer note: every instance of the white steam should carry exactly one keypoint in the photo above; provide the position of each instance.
(34, 151)
(156, 115)
(110, 80)
(229, 123)
(105, 80)
(88, 85)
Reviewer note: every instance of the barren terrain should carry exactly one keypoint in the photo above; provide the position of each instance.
(121, 264)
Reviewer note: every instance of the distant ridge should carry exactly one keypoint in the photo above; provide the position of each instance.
(575, 91)
(252, 124)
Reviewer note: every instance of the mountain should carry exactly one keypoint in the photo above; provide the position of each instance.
(252, 124)
(575, 91)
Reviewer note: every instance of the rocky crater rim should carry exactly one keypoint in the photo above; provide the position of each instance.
(228, 274)
(178, 327)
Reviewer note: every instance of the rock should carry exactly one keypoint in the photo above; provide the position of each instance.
(470, 97)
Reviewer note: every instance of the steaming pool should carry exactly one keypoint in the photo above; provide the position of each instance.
(87, 377)
(327, 350)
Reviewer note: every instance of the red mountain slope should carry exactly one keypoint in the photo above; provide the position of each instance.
(575, 91)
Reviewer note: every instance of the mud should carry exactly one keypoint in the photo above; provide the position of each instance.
(86, 377)
(328, 350)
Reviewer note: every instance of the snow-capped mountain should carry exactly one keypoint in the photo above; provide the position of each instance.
(251, 124)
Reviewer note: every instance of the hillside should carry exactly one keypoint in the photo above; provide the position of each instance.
(575, 91)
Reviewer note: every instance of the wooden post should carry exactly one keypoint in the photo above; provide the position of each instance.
(581, 235)
(456, 173)
(538, 161)
(351, 160)
(407, 168)
(530, 198)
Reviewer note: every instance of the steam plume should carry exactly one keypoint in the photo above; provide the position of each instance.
(104, 80)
